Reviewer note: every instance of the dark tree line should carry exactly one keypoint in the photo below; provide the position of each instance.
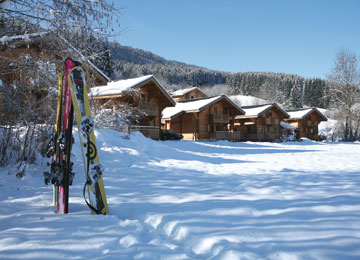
(290, 90)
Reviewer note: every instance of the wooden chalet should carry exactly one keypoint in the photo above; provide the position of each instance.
(45, 47)
(203, 118)
(187, 94)
(260, 122)
(144, 94)
(306, 122)
(28, 62)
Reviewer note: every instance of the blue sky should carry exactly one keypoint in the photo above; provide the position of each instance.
(289, 36)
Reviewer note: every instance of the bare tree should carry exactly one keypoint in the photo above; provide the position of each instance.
(64, 16)
(345, 82)
(86, 24)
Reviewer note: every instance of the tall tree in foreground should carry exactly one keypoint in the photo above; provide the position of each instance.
(345, 81)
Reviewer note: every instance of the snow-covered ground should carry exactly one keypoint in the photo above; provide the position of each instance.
(194, 200)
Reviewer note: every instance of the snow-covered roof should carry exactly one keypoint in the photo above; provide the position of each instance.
(302, 113)
(120, 86)
(190, 106)
(242, 100)
(255, 111)
(184, 91)
(194, 105)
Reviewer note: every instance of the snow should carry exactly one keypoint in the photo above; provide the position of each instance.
(242, 100)
(193, 105)
(255, 111)
(299, 113)
(193, 200)
(4, 4)
(181, 92)
(118, 87)
(27, 37)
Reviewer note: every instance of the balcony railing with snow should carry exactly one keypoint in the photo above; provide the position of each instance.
(148, 108)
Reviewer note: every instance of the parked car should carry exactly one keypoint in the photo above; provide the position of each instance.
(170, 135)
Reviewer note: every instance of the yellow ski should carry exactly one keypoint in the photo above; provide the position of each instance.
(93, 169)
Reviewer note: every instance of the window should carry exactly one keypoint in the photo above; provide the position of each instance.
(215, 110)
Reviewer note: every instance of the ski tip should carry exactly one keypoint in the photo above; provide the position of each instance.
(69, 62)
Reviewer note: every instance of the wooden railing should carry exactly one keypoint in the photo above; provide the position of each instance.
(261, 137)
(219, 118)
(152, 132)
(221, 135)
(226, 135)
(148, 108)
(235, 136)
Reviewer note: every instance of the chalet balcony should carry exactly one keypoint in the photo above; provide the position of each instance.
(152, 132)
(310, 123)
(271, 121)
(221, 119)
(148, 108)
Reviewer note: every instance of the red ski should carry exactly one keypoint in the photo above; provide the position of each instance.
(68, 115)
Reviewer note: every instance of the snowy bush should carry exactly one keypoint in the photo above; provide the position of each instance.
(20, 145)
(119, 117)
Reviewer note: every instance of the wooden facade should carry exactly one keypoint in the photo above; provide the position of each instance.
(204, 119)
(188, 94)
(260, 123)
(29, 62)
(43, 47)
(306, 122)
(144, 94)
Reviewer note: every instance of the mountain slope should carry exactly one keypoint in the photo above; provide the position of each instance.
(287, 89)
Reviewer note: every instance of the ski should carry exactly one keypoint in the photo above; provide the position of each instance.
(93, 170)
(53, 149)
(65, 141)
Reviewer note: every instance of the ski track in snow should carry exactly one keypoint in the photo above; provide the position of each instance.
(193, 200)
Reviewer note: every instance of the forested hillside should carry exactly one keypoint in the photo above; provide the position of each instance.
(289, 90)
